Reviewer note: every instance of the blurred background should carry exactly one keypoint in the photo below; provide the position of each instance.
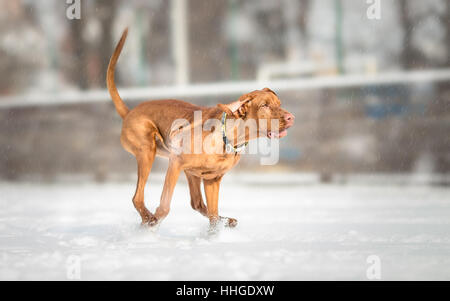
(364, 171)
(371, 93)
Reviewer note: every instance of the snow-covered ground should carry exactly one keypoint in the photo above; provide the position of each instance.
(302, 231)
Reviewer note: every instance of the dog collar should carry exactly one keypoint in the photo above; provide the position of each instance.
(229, 148)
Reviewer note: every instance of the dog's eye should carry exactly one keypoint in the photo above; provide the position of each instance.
(264, 105)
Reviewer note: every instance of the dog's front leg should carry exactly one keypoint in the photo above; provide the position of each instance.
(169, 184)
(212, 201)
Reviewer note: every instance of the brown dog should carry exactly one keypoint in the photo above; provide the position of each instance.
(148, 130)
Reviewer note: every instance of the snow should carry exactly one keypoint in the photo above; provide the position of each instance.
(302, 231)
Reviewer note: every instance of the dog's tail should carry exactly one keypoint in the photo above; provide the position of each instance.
(121, 108)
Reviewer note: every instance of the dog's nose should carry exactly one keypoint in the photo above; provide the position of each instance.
(289, 117)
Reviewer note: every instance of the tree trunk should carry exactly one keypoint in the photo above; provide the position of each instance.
(78, 63)
(303, 22)
(107, 12)
(407, 55)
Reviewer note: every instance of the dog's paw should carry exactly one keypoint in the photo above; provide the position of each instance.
(213, 231)
(215, 225)
(151, 222)
(229, 222)
(232, 222)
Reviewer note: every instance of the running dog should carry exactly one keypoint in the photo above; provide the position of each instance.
(148, 130)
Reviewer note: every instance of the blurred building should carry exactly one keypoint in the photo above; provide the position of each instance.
(394, 128)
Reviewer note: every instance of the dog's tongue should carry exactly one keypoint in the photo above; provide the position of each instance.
(276, 134)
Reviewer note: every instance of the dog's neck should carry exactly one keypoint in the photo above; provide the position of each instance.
(235, 136)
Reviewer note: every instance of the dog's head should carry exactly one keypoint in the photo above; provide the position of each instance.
(261, 105)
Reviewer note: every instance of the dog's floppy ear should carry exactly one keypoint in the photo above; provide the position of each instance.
(236, 108)
(268, 90)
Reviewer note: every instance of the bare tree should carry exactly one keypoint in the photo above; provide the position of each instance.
(445, 20)
(16, 62)
(106, 12)
(88, 59)
(303, 22)
(77, 64)
(407, 55)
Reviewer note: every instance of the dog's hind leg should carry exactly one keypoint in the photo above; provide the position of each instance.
(143, 147)
(197, 202)
(169, 185)
(145, 160)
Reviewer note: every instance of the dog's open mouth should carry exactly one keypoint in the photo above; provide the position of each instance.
(277, 134)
